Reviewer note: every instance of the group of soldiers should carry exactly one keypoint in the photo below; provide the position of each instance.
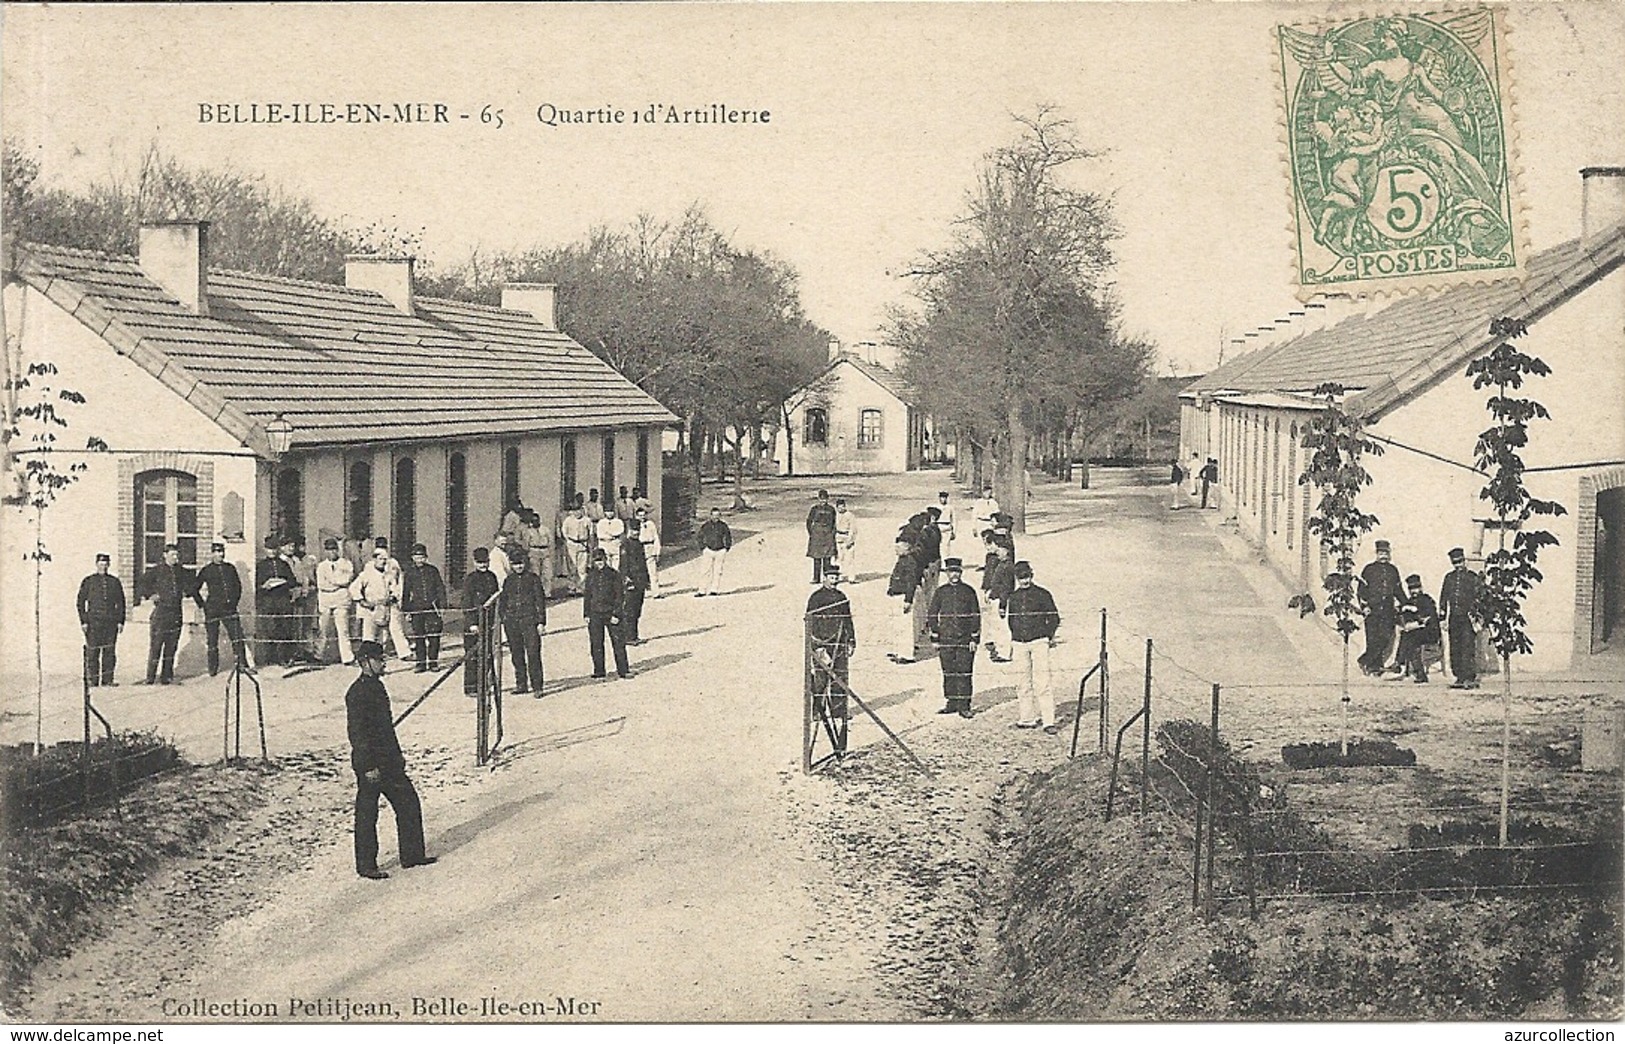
(1404, 625)
(1014, 619)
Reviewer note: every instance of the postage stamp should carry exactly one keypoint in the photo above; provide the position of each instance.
(1397, 134)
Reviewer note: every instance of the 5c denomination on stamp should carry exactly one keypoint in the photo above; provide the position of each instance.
(1398, 144)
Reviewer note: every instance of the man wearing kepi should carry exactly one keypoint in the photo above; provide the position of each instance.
(1030, 612)
(1380, 594)
(166, 583)
(380, 769)
(479, 644)
(1459, 606)
(601, 604)
(820, 535)
(1419, 628)
(830, 631)
(101, 618)
(524, 618)
(955, 622)
(218, 592)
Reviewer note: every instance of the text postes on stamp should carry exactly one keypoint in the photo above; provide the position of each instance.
(1398, 143)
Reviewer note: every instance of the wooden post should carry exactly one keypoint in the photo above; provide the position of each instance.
(1105, 694)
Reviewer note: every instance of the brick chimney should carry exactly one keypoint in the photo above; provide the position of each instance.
(389, 275)
(175, 255)
(539, 299)
(1602, 201)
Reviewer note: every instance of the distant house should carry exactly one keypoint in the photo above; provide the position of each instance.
(1402, 366)
(857, 418)
(415, 418)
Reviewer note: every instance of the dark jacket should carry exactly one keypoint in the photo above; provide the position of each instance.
(1419, 617)
(166, 585)
(1380, 588)
(478, 587)
(905, 578)
(422, 588)
(601, 592)
(715, 535)
(821, 531)
(1031, 614)
(1002, 581)
(634, 563)
(956, 616)
(829, 619)
(928, 544)
(224, 590)
(373, 744)
(101, 599)
(278, 596)
(1461, 594)
(524, 600)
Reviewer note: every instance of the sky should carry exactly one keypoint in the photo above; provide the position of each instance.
(879, 116)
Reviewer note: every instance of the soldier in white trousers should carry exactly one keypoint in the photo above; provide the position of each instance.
(1033, 621)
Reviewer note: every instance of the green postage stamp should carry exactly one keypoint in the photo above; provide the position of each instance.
(1398, 143)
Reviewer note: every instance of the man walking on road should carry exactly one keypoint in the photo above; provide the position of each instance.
(101, 618)
(380, 769)
(820, 535)
(955, 620)
(602, 606)
(218, 592)
(1210, 477)
(1033, 621)
(846, 539)
(833, 638)
(524, 617)
(1459, 607)
(715, 541)
(945, 524)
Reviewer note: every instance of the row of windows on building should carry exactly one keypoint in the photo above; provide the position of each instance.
(1262, 455)
(815, 427)
(167, 505)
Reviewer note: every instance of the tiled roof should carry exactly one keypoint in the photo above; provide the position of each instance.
(1390, 355)
(887, 379)
(342, 365)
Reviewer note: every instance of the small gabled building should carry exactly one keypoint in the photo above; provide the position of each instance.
(858, 417)
(1403, 367)
(411, 417)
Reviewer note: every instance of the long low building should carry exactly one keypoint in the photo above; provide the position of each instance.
(1403, 367)
(417, 418)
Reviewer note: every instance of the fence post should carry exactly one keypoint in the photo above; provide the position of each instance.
(1105, 695)
(1196, 866)
(806, 698)
(1145, 735)
(1212, 805)
(84, 761)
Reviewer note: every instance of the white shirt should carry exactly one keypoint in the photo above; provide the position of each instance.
(333, 581)
(610, 529)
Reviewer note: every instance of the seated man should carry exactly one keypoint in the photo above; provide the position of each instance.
(1418, 631)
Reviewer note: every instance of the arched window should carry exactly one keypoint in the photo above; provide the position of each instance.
(869, 428)
(816, 427)
(643, 461)
(567, 472)
(606, 471)
(403, 529)
(456, 518)
(358, 501)
(166, 512)
(289, 506)
(510, 477)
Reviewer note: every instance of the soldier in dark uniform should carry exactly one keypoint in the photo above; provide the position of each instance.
(275, 587)
(904, 584)
(101, 618)
(635, 575)
(380, 769)
(1380, 594)
(524, 618)
(820, 534)
(956, 628)
(168, 583)
(1459, 607)
(1419, 628)
(602, 604)
(830, 631)
(479, 644)
(219, 591)
(928, 553)
(423, 596)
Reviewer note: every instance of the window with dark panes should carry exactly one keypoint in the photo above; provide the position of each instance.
(606, 477)
(567, 472)
(816, 427)
(456, 518)
(510, 476)
(166, 512)
(290, 504)
(643, 461)
(403, 521)
(358, 501)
